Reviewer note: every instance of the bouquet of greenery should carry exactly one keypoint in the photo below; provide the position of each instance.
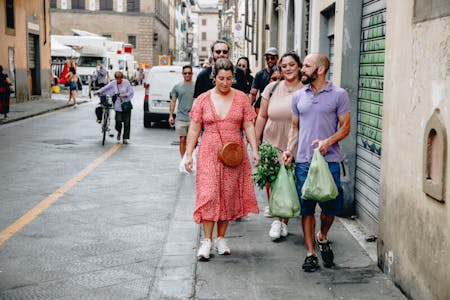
(268, 165)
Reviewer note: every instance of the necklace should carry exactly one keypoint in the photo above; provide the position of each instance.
(291, 89)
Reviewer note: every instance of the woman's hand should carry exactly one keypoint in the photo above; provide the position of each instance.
(188, 164)
(256, 158)
(287, 157)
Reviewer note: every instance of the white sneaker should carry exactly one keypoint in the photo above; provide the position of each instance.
(204, 250)
(267, 212)
(284, 230)
(275, 230)
(222, 247)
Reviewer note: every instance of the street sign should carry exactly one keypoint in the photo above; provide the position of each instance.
(164, 60)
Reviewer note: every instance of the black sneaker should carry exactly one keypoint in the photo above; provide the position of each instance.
(311, 263)
(326, 253)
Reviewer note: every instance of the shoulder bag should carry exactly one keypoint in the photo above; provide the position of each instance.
(126, 105)
(230, 153)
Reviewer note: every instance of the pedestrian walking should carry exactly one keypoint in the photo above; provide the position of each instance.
(244, 64)
(123, 91)
(204, 82)
(100, 81)
(223, 193)
(72, 77)
(5, 92)
(323, 110)
(184, 93)
(274, 119)
(262, 78)
(101, 75)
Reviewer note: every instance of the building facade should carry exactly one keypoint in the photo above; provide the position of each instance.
(207, 30)
(184, 31)
(414, 212)
(393, 58)
(143, 23)
(25, 47)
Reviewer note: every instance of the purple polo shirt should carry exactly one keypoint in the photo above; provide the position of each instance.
(318, 119)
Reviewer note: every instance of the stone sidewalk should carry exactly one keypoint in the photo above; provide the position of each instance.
(20, 111)
(259, 268)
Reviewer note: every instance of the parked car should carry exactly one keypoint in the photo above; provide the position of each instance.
(158, 85)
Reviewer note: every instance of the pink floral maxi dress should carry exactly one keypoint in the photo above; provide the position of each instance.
(222, 193)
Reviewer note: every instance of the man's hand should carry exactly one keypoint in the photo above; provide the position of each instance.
(322, 145)
(171, 120)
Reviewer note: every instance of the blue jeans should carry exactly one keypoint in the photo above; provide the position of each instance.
(332, 207)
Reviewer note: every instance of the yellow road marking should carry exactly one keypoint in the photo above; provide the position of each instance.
(44, 204)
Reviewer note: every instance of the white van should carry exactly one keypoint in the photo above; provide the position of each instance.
(158, 85)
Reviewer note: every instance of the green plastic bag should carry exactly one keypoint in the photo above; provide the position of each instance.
(284, 201)
(319, 184)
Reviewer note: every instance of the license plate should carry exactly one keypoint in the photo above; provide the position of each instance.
(161, 103)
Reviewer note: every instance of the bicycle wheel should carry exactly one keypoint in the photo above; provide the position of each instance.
(104, 126)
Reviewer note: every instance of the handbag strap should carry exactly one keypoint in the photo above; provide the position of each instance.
(215, 119)
(118, 92)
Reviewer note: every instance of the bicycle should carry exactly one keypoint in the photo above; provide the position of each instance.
(106, 105)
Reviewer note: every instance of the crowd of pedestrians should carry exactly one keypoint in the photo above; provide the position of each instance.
(228, 104)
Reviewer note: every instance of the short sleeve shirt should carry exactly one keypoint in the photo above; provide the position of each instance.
(318, 119)
(184, 92)
(204, 81)
(262, 79)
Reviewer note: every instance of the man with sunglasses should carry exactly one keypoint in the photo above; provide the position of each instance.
(262, 78)
(204, 82)
(184, 92)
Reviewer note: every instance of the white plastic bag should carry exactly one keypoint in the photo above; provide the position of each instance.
(182, 167)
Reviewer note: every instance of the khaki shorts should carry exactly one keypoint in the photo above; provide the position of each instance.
(181, 127)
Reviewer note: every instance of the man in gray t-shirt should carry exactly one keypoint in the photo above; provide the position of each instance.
(184, 92)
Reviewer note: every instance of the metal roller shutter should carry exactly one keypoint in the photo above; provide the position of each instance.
(370, 107)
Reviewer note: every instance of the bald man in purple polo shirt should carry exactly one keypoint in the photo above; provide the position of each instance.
(320, 118)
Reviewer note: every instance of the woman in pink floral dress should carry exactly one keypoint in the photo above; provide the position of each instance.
(223, 193)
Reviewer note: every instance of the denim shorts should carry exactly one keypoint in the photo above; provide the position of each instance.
(332, 207)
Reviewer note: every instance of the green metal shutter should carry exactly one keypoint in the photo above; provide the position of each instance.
(370, 107)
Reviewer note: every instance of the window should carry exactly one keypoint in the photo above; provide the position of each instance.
(203, 36)
(106, 5)
(52, 3)
(77, 4)
(204, 49)
(108, 36)
(434, 157)
(132, 40)
(133, 5)
(203, 21)
(10, 14)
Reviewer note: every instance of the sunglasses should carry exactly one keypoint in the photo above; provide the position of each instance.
(221, 51)
(187, 73)
(269, 57)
